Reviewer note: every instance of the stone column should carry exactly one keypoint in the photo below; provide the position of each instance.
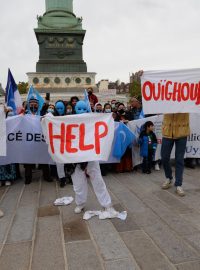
(65, 5)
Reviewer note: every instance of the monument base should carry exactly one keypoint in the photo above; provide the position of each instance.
(75, 82)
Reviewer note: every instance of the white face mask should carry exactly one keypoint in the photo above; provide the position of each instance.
(50, 110)
(107, 110)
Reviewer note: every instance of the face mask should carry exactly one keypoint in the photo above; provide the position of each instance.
(50, 111)
(89, 92)
(113, 106)
(69, 111)
(98, 111)
(33, 109)
(81, 107)
(107, 110)
(60, 108)
(121, 111)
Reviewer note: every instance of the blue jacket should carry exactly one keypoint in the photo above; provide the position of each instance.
(145, 144)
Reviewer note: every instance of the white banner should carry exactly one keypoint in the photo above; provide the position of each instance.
(193, 142)
(79, 138)
(2, 132)
(176, 91)
(25, 141)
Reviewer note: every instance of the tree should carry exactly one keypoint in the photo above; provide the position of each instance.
(22, 87)
(135, 90)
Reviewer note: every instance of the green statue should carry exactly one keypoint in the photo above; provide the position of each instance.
(60, 38)
(59, 14)
(65, 5)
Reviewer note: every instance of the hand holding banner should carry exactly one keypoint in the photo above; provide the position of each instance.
(176, 91)
(79, 138)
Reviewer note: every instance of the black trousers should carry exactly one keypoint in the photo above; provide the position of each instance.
(44, 168)
(147, 163)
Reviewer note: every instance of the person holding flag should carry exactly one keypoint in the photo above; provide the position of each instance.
(34, 107)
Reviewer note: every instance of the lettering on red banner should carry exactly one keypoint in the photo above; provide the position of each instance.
(171, 91)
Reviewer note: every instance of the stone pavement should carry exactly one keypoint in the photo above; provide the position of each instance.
(162, 231)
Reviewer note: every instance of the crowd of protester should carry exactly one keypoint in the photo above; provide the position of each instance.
(121, 113)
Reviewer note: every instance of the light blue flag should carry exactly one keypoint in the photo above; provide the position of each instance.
(124, 138)
(141, 116)
(32, 93)
(86, 99)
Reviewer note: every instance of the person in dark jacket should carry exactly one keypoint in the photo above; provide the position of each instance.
(148, 144)
(92, 97)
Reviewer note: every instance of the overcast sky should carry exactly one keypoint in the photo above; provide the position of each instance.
(122, 36)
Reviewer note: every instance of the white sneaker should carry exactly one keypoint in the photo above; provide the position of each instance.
(157, 168)
(8, 183)
(180, 191)
(78, 209)
(1, 213)
(167, 184)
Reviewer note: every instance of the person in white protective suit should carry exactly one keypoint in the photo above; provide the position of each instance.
(92, 170)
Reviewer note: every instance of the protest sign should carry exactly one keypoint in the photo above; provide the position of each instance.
(2, 132)
(79, 138)
(193, 141)
(176, 91)
(25, 141)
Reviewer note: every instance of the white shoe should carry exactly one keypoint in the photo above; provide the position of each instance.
(78, 209)
(1, 213)
(180, 191)
(157, 168)
(8, 183)
(167, 184)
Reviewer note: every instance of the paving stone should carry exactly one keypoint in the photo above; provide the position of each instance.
(48, 249)
(147, 218)
(145, 252)
(126, 197)
(74, 227)
(124, 225)
(191, 198)
(126, 264)
(194, 218)
(138, 183)
(109, 243)
(76, 230)
(174, 247)
(172, 202)
(2, 191)
(194, 240)
(8, 206)
(189, 266)
(15, 256)
(23, 223)
(48, 210)
(30, 194)
(175, 221)
(82, 255)
(48, 193)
